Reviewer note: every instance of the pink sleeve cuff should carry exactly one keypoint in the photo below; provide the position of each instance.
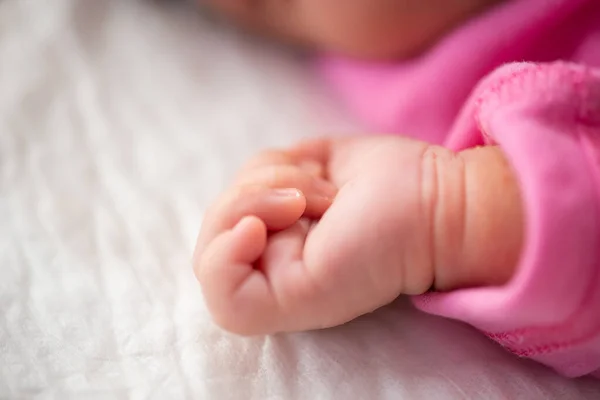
(546, 117)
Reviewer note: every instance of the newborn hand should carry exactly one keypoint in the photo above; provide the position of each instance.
(407, 217)
(249, 256)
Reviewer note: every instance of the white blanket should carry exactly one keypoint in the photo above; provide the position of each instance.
(119, 122)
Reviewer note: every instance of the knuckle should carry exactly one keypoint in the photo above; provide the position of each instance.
(230, 323)
(226, 205)
(268, 157)
(273, 176)
(221, 313)
(224, 321)
(200, 270)
(226, 316)
(235, 195)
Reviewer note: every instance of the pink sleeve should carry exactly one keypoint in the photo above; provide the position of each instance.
(546, 117)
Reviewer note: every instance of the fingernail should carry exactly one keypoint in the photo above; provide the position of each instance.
(286, 193)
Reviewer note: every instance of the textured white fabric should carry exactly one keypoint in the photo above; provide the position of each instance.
(119, 121)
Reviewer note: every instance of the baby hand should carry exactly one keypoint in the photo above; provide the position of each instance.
(407, 217)
(249, 252)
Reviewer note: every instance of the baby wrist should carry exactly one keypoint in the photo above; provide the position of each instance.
(477, 219)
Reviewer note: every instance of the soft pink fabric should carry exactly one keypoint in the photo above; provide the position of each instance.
(422, 97)
(546, 116)
(547, 119)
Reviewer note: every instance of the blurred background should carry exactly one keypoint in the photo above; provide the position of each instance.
(120, 120)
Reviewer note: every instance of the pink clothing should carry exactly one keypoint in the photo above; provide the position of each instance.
(546, 116)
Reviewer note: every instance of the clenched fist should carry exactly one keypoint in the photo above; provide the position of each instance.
(321, 233)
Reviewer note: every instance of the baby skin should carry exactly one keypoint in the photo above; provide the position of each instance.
(321, 233)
